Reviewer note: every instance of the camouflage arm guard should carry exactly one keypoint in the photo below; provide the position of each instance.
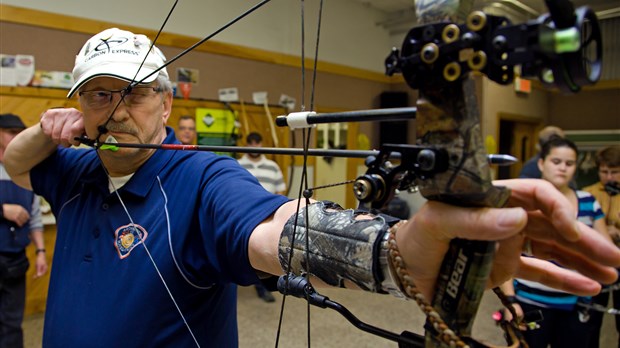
(340, 247)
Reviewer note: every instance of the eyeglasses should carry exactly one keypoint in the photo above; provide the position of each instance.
(135, 96)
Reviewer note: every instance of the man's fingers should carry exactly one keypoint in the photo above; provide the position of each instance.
(506, 262)
(62, 125)
(540, 195)
(591, 243)
(537, 211)
(56, 129)
(427, 235)
(577, 261)
(556, 277)
(470, 223)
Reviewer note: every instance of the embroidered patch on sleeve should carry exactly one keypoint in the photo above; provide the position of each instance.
(127, 238)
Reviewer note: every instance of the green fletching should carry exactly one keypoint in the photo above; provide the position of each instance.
(113, 148)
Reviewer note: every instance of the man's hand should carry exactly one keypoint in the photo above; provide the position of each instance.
(15, 213)
(40, 265)
(63, 126)
(536, 211)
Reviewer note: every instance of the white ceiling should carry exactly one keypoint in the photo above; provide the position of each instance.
(400, 14)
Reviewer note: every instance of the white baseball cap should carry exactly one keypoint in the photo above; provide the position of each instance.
(117, 53)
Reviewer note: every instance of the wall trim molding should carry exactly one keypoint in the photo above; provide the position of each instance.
(43, 19)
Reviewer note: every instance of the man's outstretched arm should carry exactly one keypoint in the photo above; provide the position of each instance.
(536, 211)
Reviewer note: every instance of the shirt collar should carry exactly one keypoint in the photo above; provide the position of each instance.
(250, 159)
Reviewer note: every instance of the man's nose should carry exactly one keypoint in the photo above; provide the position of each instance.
(121, 112)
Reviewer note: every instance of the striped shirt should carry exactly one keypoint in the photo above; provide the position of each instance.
(589, 208)
(610, 204)
(543, 296)
(266, 171)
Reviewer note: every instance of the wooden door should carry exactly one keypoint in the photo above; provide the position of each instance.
(517, 137)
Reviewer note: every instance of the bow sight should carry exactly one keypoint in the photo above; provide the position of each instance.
(562, 48)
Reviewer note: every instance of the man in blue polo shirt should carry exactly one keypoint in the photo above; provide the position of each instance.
(151, 243)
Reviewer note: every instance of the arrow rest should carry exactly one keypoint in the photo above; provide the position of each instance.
(377, 186)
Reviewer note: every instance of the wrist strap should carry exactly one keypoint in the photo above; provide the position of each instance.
(390, 282)
(341, 247)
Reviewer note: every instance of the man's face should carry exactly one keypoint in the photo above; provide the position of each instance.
(6, 135)
(187, 131)
(608, 174)
(255, 144)
(140, 119)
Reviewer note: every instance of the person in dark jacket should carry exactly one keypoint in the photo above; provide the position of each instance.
(20, 222)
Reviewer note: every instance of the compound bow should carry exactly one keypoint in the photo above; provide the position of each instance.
(449, 162)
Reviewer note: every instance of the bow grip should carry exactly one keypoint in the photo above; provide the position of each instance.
(448, 118)
(463, 276)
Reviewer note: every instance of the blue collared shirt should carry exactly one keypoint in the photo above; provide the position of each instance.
(194, 211)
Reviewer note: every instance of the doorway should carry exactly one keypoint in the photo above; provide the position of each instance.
(517, 137)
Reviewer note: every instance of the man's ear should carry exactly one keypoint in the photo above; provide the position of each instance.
(167, 107)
